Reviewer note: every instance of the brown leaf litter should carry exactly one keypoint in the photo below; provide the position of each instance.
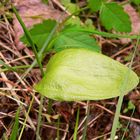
(135, 20)
(101, 113)
(33, 12)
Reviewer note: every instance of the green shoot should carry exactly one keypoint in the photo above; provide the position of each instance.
(29, 38)
(123, 86)
(15, 127)
(76, 124)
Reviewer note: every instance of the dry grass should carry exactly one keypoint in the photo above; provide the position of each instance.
(15, 92)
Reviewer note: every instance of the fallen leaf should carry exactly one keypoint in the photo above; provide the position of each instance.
(33, 12)
(135, 20)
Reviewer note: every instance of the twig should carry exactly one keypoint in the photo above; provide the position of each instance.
(121, 116)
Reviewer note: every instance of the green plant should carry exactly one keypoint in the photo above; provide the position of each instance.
(69, 37)
(45, 1)
(71, 7)
(81, 74)
(76, 124)
(15, 127)
(89, 75)
(137, 2)
(130, 106)
(40, 31)
(112, 15)
(29, 38)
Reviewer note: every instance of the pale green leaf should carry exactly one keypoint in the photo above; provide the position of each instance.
(113, 16)
(81, 74)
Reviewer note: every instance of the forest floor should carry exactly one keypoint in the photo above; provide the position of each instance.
(16, 91)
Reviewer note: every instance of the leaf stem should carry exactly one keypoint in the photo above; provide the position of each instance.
(104, 34)
(42, 97)
(29, 38)
(26, 117)
(123, 86)
(76, 125)
(14, 68)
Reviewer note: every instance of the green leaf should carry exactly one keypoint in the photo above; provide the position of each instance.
(89, 24)
(70, 39)
(73, 21)
(81, 74)
(71, 7)
(95, 5)
(131, 106)
(137, 2)
(45, 1)
(40, 32)
(65, 38)
(65, 2)
(15, 127)
(113, 17)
